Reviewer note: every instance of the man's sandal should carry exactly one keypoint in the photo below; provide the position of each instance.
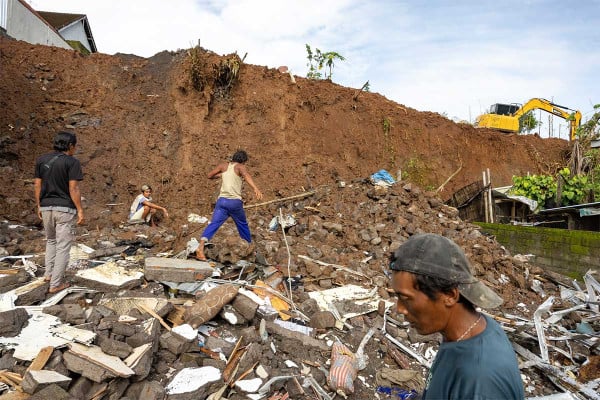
(59, 288)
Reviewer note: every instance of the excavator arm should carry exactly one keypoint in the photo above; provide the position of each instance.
(510, 122)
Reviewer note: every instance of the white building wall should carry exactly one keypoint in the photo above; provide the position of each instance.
(22, 24)
(3, 13)
(76, 31)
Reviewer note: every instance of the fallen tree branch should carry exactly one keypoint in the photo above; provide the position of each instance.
(439, 189)
(297, 196)
(71, 102)
(359, 91)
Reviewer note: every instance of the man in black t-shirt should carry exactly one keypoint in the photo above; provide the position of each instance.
(58, 200)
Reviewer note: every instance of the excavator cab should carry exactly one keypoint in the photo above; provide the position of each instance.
(500, 117)
(504, 109)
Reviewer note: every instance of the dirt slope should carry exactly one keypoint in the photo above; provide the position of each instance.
(141, 121)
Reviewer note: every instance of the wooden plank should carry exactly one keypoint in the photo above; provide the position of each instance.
(155, 315)
(41, 359)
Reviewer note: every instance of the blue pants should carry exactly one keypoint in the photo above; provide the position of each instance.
(224, 209)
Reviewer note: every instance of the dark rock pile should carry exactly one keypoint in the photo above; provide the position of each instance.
(151, 340)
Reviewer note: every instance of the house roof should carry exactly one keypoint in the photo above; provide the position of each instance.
(570, 208)
(62, 20)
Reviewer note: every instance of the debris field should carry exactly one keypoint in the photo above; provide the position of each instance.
(273, 319)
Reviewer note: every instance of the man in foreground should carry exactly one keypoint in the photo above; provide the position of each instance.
(438, 293)
(229, 203)
(58, 201)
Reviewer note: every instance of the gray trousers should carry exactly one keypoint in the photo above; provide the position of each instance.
(59, 235)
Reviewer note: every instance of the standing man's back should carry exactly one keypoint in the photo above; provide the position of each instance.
(58, 200)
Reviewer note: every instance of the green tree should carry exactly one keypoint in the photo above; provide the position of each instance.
(330, 58)
(528, 122)
(315, 63)
(318, 59)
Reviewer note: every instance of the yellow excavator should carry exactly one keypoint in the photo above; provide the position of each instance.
(505, 117)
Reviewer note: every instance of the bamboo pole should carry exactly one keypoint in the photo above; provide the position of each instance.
(297, 196)
(439, 189)
(490, 199)
(485, 199)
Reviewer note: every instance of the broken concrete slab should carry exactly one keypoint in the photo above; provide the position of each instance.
(119, 328)
(147, 390)
(30, 293)
(357, 300)
(53, 392)
(81, 388)
(94, 364)
(68, 313)
(44, 330)
(13, 278)
(149, 333)
(109, 277)
(191, 383)
(175, 343)
(176, 270)
(245, 306)
(12, 321)
(123, 305)
(273, 328)
(322, 320)
(219, 345)
(34, 381)
(114, 347)
(140, 361)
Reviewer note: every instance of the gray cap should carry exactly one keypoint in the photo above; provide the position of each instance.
(434, 255)
(146, 187)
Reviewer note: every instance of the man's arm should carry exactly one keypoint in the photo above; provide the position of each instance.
(37, 189)
(76, 197)
(156, 207)
(217, 171)
(246, 175)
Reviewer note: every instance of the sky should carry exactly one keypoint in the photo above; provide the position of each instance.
(455, 58)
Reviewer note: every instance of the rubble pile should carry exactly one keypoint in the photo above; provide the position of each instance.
(305, 311)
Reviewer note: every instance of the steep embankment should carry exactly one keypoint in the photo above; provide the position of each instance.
(141, 121)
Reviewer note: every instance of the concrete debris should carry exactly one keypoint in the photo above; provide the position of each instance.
(286, 317)
(37, 380)
(175, 270)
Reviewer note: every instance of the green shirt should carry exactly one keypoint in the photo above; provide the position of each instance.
(481, 367)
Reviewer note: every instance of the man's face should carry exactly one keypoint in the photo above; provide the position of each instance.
(147, 193)
(425, 315)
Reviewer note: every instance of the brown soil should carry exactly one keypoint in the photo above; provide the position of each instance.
(141, 121)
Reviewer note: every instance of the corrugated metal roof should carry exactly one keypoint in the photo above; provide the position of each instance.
(567, 208)
(60, 20)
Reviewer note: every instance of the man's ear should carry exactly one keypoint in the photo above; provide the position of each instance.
(451, 298)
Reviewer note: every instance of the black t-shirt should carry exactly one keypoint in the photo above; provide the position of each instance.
(55, 178)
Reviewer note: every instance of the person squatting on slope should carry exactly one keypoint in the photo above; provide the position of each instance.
(438, 293)
(143, 210)
(229, 203)
(58, 200)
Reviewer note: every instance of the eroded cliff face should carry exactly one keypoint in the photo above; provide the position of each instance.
(146, 121)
